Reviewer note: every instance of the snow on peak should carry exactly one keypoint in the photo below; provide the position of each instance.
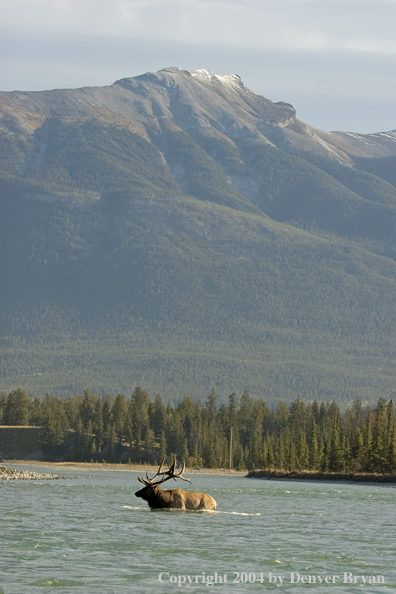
(229, 80)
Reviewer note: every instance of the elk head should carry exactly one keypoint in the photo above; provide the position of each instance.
(151, 487)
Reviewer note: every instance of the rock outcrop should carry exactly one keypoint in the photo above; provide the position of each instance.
(11, 474)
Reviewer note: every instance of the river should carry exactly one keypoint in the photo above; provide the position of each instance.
(90, 534)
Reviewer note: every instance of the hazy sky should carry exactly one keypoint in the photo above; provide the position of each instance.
(334, 60)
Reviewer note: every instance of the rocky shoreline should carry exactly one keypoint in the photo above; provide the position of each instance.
(366, 477)
(141, 468)
(11, 474)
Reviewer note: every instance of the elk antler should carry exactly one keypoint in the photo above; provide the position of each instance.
(149, 481)
(167, 475)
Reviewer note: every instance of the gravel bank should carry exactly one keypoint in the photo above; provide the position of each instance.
(361, 477)
(11, 474)
(100, 466)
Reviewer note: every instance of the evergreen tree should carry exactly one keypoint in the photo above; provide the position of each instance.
(97, 425)
(163, 445)
(297, 417)
(378, 447)
(149, 446)
(335, 453)
(391, 457)
(55, 423)
(3, 404)
(313, 454)
(87, 408)
(345, 451)
(357, 450)
(269, 458)
(112, 441)
(302, 451)
(282, 415)
(390, 465)
(139, 407)
(315, 411)
(106, 418)
(158, 416)
(35, 412)
(211, 404)
(368, 457)
(72, 406)
(291, 456)
(119, 414)
(280, 454)
(232, 411)
(17, 408)
(88, 442)
(78, 441)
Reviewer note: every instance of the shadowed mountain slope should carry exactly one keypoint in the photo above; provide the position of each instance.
(178, 231)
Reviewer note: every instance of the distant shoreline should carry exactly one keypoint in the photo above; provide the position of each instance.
(98, 466)
(361, 477)
(306, 475)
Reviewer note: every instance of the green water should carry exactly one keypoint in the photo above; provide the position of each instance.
(90, 534)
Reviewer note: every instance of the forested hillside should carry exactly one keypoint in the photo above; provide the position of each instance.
(180, 232)
(137, 429)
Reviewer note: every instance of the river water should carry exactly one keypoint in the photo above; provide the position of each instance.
(90, 534)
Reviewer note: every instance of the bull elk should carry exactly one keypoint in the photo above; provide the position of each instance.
(173, 498)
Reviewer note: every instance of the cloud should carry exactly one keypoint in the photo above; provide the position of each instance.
(332, 59)
(301, 24)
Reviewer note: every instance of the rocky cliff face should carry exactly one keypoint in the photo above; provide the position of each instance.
(200, 103)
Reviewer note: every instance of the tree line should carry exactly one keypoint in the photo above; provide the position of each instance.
(244, 434)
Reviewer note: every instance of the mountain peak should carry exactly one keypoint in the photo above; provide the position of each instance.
(231, 80)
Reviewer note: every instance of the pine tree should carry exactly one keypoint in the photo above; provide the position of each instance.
(390, 435)
(391, 457)
(78, 445)
(367, 458)
(335, 457)
(163, 445)
(112, 441)
(106, 417)
(97, 425)
(313, 458)
(232, 411)
(315, 410)
(268, 452)
(87, 408)
(280, 454)
(35, 412)
(302, 451)
(149, 446)
(55, 423)
(345, 451)
(379, 438)
(158, 416)
(89, 442)
(291, 456)
(17, 408)
(357, 450)
(119, 414)
(256, 443)
(297, 417)
(3, 404)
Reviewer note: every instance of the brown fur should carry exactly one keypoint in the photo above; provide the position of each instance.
(176, 499)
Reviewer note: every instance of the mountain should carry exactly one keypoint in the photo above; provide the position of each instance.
(180, 232)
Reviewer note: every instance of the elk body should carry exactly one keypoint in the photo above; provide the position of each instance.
(174, 498)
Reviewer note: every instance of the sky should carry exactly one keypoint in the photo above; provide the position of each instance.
(333, 60)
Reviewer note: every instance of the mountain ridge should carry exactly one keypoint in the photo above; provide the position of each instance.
(117, 104)
(179, 231)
